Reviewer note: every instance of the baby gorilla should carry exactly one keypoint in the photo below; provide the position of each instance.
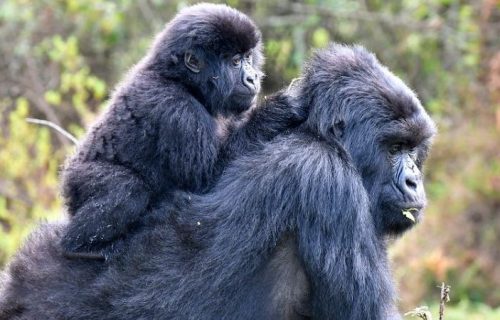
(171, 125)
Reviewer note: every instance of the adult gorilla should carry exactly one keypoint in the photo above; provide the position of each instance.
(292, 231)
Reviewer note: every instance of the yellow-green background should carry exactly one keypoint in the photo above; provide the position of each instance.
(60, 59)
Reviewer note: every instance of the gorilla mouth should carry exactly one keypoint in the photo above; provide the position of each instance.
(410, 213)
(407, 213)
(245, 94)
(245, 98)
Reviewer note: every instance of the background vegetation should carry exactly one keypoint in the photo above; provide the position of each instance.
(60, 59)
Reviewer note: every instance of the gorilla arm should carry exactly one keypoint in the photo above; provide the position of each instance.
(197, 154)
(189, 143)
(342, 255)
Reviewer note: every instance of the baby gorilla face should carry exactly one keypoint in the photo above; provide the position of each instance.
(215, 51)
(242, 82)
(228, 83)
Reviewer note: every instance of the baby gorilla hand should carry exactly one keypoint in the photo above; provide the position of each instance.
(287, 107)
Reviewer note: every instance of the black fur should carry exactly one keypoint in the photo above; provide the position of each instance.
(168, 128)
(290, 231)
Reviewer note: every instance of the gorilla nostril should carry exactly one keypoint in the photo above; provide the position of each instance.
(411, 184)
(250, 80)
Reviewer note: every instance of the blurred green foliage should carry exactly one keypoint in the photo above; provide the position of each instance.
(464, 310)
(59, 59)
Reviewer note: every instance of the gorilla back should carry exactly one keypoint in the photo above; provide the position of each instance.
(292, 231)
(170, 125)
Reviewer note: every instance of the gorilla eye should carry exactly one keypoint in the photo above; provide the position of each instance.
(248, 57)
(413, 154)
(395, 148)
(236, 60)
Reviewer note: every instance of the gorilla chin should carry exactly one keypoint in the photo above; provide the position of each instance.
(239, 102)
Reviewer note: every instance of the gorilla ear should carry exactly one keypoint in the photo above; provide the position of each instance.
(338, 129)
(192, 62)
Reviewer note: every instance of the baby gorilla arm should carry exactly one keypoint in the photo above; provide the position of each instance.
(189, 143)
(277, 114)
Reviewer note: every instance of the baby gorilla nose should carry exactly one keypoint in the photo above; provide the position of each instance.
(250, 82)
(250, 78)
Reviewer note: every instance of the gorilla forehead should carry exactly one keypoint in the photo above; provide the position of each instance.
(361, 89)
(214, 27)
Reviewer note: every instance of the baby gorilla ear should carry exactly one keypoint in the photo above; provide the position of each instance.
(192, 62)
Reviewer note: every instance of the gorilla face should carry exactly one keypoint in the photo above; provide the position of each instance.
(389, 149)
(240, 83)
(215, 51)
(400, 190)
(381, 124)
(233, 80)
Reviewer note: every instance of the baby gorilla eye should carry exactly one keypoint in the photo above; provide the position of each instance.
(236, 60)
(248, 57)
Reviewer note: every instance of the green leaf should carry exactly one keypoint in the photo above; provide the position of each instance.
(321, 37)
(53, 97)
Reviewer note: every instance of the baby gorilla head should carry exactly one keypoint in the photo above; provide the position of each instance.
(215, 51)
(381, 124)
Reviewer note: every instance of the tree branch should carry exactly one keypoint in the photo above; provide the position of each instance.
(55, 127)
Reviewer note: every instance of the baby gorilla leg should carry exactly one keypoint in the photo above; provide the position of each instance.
(118, 198)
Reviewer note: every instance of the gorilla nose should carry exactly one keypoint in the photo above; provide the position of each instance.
(410, 186)
(249, 82)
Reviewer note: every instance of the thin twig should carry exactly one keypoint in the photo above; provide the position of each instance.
(445, 297)
(55, 127)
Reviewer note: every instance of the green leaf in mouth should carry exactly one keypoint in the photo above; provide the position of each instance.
(408, 213)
